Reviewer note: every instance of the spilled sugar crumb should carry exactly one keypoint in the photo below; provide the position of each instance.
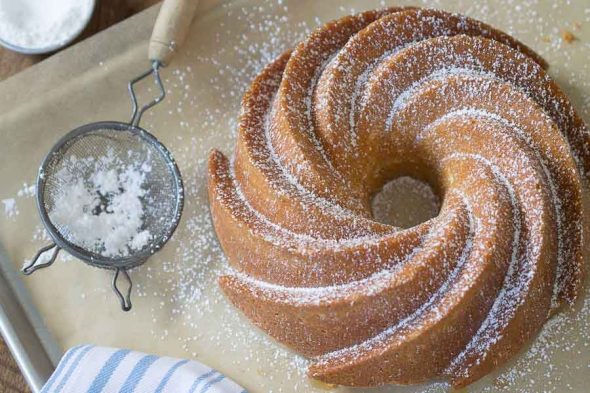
(10, 207)
(27, 191)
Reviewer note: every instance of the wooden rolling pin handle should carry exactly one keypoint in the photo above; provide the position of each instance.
(170, 30)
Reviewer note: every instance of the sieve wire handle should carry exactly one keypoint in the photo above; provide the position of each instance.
(136, 111)
(125, 298)
(52, 250)
(170, 29)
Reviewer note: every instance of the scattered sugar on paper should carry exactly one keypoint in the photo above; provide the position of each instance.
(10, 207)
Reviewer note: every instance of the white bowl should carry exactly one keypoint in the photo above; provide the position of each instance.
(52, 48)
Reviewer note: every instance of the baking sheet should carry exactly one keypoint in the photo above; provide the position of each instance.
(23, 329)
(178, 309)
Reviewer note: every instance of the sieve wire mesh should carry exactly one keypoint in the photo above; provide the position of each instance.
(82, 155)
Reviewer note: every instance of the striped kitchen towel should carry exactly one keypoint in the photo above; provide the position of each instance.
(92, 369)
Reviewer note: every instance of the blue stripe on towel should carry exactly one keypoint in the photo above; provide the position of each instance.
(201, 379)
(60, 367)
(107, 370)
(169, 375)
(72, 367)
(91, 369)
(137, 373)
(211, 383)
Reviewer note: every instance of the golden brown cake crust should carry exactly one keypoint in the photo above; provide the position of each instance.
(370, 97)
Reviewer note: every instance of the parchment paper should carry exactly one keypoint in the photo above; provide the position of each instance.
(178, 310)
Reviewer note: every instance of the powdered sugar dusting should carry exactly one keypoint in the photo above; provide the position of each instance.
(103, 213)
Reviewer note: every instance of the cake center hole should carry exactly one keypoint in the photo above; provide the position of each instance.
(405, 202)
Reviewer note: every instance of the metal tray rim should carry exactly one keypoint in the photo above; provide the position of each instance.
(32, 346)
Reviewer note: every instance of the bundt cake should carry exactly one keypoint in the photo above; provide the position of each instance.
(403, 92)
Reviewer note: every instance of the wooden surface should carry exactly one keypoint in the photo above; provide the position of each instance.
(106, 13)
(11, 379)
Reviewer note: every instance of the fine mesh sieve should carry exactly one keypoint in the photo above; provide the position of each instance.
(118, 150)
(162, 184)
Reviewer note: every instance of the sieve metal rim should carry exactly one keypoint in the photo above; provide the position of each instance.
(89, 257)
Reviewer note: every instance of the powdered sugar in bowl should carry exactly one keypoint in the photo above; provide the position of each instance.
(42, 26)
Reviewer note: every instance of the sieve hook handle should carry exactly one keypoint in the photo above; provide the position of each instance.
(137, 112)
(124, 298)
(51, 250)
(170, 30)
